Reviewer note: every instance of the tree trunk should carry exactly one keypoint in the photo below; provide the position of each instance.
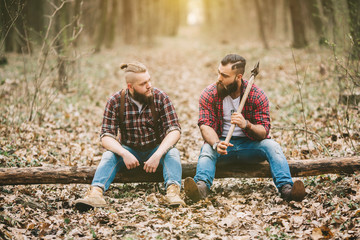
(127, 21)
(112, 19)
(261, 24)
(299, 39)
(316, 19)
(354, 14)
(101, 27)
(67, 175)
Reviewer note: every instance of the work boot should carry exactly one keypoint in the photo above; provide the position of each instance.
(295, 192)
(173, 196)
(93, 198)
(195, 191)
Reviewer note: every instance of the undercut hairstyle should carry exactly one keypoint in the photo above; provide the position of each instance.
(133, 67)
(237, 62)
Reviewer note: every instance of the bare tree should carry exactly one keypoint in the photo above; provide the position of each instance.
(299, 38)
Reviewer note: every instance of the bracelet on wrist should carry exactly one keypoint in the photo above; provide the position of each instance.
(248, 125)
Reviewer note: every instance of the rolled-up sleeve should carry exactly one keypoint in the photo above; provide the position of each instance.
(110, 123)
(169, 117)
(261, 113)
(206, 110)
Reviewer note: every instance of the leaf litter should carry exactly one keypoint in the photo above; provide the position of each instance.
(237, 208)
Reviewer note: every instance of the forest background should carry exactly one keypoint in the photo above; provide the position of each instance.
(59, 63)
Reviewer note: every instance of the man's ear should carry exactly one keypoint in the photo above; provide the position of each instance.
(129, 86)
(239, 76)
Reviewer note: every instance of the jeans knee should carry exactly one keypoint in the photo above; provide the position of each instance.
(207, 152)
(270, 145)
(108, 155)
(173, 155)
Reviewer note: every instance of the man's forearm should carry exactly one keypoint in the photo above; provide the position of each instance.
(170, 140)
(209, 134)
(113, 145)
(257, 131)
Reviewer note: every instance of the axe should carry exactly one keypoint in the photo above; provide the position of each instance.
(254, 72)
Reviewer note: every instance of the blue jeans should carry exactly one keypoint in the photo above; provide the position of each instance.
(111, 163)
(245, 150)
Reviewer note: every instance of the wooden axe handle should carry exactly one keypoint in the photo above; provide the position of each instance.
(241, 106)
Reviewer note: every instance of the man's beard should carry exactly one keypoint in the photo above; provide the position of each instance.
(141, 98)
(224, 91)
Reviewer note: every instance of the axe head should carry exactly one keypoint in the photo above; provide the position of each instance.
(255, 70)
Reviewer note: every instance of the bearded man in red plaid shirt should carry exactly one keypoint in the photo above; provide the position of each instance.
(140, 144)
(250, 141)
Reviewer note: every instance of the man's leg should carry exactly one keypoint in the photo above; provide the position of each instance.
(199, 187)
(172, 172)
(267, 149)
(105, 173)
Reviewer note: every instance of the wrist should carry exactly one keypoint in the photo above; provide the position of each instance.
(247, 125)
(214, 146)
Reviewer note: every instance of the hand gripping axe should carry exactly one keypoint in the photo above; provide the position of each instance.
(254, 72)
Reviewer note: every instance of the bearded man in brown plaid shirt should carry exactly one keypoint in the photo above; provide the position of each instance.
(139, 143)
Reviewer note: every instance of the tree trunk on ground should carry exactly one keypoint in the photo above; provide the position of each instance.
(66, 175)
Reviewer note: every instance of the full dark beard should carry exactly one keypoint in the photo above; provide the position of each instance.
(226, 91)
(141, 98)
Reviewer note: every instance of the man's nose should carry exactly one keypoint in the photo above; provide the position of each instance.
(148, 85)
(219, 78)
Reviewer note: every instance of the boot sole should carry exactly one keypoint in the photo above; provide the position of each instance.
(298, 191)
(83, 207)
(191, 189)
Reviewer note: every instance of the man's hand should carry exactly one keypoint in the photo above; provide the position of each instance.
(130, 160)
(152, 163)
(238, 119)
(222, 146)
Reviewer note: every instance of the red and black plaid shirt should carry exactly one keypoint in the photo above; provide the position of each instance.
(256, 109)
(137, 129)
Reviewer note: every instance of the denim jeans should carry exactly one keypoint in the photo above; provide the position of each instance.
(245, 150)
(111, 163)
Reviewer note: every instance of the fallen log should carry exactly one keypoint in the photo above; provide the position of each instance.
(67, 175)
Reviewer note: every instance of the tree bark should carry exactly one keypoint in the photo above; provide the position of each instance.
(101, 27)
(316, 19)
(261, 24)
(299, 39)
(67, 175)
(354, 11)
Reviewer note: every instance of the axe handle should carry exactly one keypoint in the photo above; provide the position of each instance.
(241, 106)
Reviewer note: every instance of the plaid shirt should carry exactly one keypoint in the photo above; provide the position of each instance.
(256, 109)
(137, 129)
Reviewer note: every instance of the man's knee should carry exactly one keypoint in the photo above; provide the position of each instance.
(108, 155)
(173, 155)
(207, 152)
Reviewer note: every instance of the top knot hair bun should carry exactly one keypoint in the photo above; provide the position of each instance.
(135, 67)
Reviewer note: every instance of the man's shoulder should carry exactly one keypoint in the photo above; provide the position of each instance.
(115, 96)
(159, 94)
(209, 90)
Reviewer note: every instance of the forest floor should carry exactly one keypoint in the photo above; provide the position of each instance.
(307, 121)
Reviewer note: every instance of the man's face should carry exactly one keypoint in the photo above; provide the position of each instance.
(141, 89)
(227, 80)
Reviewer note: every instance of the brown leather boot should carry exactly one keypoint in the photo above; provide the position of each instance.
(295, 192)
(93, 198)
(173, 196)
(298, 191)
(195, 191)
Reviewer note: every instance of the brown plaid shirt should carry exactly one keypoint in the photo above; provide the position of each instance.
(137, 129)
